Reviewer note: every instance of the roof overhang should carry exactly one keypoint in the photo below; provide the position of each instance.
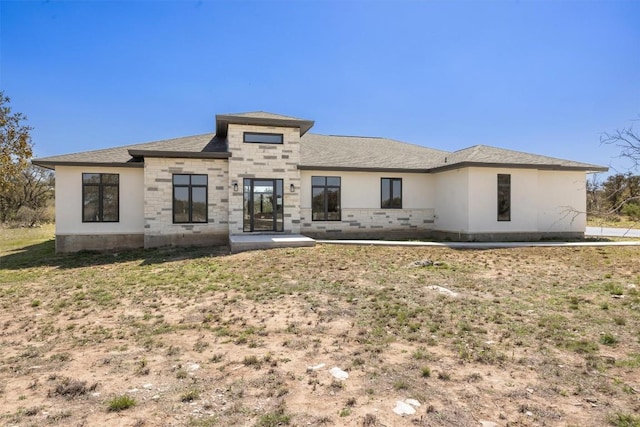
(361, 169)
(224, 120)
(586, 168)
(51, 164)
(180, 154)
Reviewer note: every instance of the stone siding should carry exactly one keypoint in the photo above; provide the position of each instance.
(159, 229)
(269, 161)
(371, 223)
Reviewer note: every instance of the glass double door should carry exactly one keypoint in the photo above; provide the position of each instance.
(263, 205)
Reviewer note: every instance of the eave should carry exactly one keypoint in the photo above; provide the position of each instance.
(52, 164)
(586, 168)
(361, 169)
(224, 120)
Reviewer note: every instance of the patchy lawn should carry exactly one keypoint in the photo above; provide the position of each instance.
(615, 222)
(195, 337)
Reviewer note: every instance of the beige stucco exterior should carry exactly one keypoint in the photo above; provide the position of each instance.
(543, 203)
(72, 234)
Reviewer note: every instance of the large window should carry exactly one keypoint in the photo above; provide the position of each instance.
(504, 197)
(262, 138)
(100, 197)
(391, 193)
(189, 198)
(325, 203)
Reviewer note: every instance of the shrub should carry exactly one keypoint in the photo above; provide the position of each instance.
(120, 403)
(632, 210)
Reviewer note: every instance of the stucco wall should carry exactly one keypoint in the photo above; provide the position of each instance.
(158, 203)
(69, 202)
(269, 161)
(360, 206)
(562, 201)
(483, 200)
(541, 202)
(452, 200)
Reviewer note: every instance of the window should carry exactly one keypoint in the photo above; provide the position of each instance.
(325, 198)
(100, 197)
(504, 197)
(391, 190)
(263, 138)
(189, 198)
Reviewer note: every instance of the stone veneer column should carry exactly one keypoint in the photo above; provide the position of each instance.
(159, 229)
(270, 161)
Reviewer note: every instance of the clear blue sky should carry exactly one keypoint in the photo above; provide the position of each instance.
(539, 76)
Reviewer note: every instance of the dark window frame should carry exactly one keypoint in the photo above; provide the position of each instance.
(504, 197)
(278, 191)
(390, 182)
(190, 186)
(325, 187)
(101, 186)
(244, 138)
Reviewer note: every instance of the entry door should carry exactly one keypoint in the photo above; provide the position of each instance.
(263, 205)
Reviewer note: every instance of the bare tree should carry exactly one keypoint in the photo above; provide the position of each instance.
(619, 193)
(627, 140)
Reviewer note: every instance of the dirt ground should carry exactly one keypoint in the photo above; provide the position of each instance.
(526, 337)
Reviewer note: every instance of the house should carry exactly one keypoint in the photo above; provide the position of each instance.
(266, 173)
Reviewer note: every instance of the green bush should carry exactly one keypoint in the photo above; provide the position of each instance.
(632, 210)
(120, 403)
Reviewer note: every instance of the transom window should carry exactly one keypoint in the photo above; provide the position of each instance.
(325, 203)
(263, 138)
(391, 193)
(100, 197)
(504, 197)
(189, 198)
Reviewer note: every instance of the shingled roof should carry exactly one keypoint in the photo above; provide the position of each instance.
(483, 155)
(331, 152)
(120, 156)
(320, 152)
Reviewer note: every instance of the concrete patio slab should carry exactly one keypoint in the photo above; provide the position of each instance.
(251, 242)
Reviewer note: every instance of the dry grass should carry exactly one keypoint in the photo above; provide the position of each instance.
(537, 336)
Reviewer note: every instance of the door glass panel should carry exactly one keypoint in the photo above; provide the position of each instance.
(247, 205)
(263, 204)
(279, 205)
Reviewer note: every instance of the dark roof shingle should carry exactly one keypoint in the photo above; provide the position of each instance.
(328, 152)
(356, 152)
(484, 155)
